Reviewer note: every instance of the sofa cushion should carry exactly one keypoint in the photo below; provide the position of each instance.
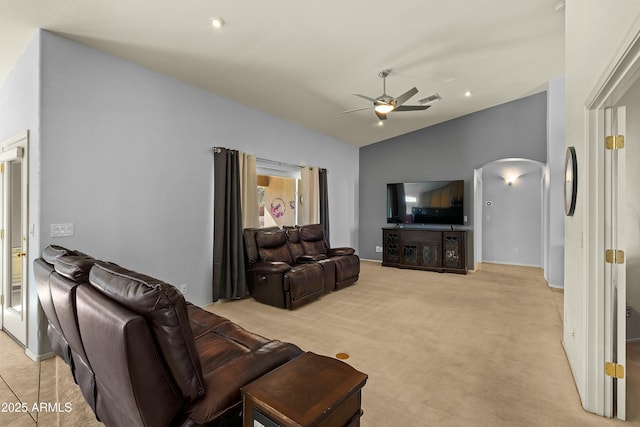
(313, 240)
(74, 267)
(165, 309)
(272, 246)
(305, 279)
(251, 249)
(232, 357)
(295, 243)
(52, 252)
(347, 267)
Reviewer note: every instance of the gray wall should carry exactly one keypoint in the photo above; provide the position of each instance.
(512, 223)
(126, 158)
(19, 111)
(450, 150)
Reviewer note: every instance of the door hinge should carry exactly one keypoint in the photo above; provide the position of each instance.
(614, 256)
(614, 142)
(614, 370)
(1, 167)
(2, 234)
(1, 299)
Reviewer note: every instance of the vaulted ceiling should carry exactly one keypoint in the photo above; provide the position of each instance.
(303, 61)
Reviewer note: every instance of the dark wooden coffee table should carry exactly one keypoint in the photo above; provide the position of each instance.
(311, 390)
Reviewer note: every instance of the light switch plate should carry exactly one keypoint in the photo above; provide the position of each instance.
(62, 230)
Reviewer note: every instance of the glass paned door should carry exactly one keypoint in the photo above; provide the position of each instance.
(13, 234)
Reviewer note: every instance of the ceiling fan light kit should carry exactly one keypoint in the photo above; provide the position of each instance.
(385, 104)
(384, 108)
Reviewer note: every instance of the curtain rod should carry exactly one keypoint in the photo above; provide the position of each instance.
(275, 162)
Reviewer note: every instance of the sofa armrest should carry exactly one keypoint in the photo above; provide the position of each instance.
(341, 251)
(269, 268)
(311, 258)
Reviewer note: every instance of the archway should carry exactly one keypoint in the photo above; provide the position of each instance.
(509, 211)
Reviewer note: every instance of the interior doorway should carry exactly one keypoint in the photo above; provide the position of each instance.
(613, 225)
(14, 174)
(631, 219)
(508, 211)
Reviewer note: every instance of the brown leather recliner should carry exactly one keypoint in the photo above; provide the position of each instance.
(347, 263)
(43, 268)
(155, 360)
(297, 252)
(58, 274)
(273, 276)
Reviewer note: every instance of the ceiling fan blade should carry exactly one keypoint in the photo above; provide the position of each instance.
(365, 97)
(405, 96)
(381, 116)
(412, 107)
(357, 109)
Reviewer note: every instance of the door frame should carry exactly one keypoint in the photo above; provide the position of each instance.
(617, 79)
(17, 146)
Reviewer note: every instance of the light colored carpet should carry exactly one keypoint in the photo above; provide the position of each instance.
(440, 349)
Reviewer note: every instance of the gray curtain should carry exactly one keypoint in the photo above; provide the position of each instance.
(229, 280)
(324, 202)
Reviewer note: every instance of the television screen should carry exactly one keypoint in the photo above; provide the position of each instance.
(427, 202)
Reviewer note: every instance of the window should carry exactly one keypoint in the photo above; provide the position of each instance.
(277, 193)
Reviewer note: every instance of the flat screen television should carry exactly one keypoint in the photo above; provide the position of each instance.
(426, 202)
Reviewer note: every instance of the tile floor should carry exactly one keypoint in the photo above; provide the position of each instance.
(38, 394)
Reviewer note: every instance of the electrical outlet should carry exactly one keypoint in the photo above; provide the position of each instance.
(378, 248)
(183, 289)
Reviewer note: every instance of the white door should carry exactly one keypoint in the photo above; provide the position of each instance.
(13, 234)
(615, 267)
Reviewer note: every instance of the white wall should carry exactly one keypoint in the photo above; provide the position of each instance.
(126, 157)
(556, 147)
(591, 45)
(19, 111)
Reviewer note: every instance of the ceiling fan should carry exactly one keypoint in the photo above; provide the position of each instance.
(385, 104)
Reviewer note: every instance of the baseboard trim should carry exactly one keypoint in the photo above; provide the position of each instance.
(633, 340)
(371, 260)
(38, 357)
(512, 264)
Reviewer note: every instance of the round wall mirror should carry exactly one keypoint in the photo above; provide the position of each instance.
(570, 181)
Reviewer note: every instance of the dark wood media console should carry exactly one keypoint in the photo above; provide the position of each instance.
(434, 250)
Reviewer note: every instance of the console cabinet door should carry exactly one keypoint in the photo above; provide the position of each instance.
(391, 251)
(430, 254)
(454, 251)
(422, 249)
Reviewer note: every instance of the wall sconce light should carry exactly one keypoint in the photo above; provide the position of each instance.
(510, 179)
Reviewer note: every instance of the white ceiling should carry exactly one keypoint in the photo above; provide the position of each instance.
(302, 60)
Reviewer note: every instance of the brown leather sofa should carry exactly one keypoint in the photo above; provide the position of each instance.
(293, 266)
(347, 263)
(140, 353)
(274, 277)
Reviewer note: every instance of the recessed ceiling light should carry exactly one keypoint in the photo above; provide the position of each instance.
(217, 23)
(467, 93)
